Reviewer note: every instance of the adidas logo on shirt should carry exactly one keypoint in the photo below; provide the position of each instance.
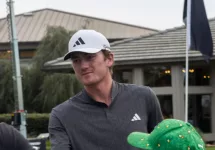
(79, 42)
(136, 117)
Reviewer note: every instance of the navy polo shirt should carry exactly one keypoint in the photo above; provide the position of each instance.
(81, 123)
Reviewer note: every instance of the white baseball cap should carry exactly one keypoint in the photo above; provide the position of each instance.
(88, 41)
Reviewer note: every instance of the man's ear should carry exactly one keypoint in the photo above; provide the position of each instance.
(110, 60)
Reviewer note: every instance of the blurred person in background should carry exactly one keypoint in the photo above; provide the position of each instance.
(11, 139)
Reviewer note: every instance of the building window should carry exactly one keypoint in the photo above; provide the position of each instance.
(157, 76)
(198, 76)
(199, 112)
(6, 54)
(27, 54)
(123, 76)
(166, 105)
(22, 54)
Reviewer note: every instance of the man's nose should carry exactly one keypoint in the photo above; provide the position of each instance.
(84, 64)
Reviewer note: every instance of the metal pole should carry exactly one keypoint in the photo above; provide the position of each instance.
(18, 76)
(188, 41)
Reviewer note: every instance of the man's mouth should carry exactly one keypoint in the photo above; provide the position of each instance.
(86, 73)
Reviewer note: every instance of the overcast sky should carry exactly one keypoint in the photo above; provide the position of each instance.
(158, 14)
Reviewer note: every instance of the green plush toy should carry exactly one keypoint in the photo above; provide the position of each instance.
(170, 134)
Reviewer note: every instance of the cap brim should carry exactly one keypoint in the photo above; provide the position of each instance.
(84, 50)
(139, 140)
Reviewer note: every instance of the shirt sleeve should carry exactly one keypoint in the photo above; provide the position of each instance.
(155, 114)
(58, 136)
(12, 139)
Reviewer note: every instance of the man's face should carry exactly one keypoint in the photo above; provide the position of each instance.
(89, 68)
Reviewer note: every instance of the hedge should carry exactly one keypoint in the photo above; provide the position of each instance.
(36, 123)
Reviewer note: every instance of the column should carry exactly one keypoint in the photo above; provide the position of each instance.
(137, 76)
(212, 83)
(177, 77)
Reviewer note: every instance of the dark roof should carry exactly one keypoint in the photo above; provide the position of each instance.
(31, 26)
(162, 46)
(165, 46)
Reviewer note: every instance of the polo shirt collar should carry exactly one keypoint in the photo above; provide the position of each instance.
(114, 92)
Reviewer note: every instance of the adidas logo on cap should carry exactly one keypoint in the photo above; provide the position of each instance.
(79, 42)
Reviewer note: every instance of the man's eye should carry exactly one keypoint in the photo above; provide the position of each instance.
(75, 60)
(90, 57)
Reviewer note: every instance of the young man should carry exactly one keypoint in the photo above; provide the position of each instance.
(170, 134)
(102, 115)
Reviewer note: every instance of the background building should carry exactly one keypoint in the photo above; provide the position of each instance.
(31, 28)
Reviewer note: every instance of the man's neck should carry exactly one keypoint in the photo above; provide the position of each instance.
(101, 92)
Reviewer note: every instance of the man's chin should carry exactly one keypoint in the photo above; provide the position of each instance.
(88, 83)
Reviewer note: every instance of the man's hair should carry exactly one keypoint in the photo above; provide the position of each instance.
(107, 55)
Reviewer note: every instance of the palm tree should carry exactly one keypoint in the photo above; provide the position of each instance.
(53, 45)
(55, 89)
(6, 88)
(46, 90)
(41, 91)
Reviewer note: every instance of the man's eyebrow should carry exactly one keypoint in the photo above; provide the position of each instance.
(91, 54)
(79, 55)
(76, 55)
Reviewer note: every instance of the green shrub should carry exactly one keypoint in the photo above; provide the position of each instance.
(5, 118)
(36, 123)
